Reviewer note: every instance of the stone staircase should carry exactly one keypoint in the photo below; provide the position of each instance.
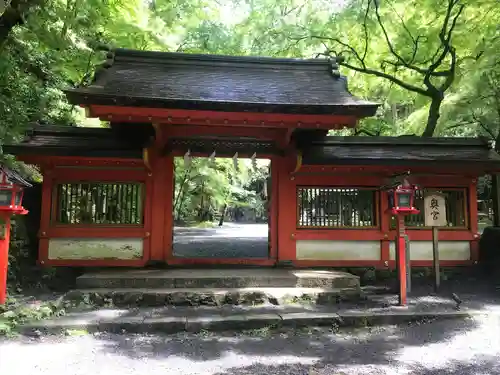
(215, 287)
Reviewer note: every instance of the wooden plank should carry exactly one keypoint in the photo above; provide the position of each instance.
(435, 260)
(220, 118)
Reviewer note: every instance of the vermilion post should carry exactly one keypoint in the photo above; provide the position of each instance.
(4, 256)
(401, 249)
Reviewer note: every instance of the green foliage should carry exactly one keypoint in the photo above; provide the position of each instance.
(15, 313)
(402, 40)
(204, 188)
(57, 45)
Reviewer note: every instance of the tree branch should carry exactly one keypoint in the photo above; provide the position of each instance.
(401, 61)
(386, 36)
(389, 77)
(484, 126)
(364, 131)
(14, 15)
(442, 63)
(451, 77)
(444, 35)
(351, 49)
(442, 73)
(365, 29)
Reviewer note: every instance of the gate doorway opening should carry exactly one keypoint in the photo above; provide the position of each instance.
(221, 208)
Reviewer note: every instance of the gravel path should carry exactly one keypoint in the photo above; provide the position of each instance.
(229, 241)
(436, 348)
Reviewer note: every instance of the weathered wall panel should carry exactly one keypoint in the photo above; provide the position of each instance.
(448, 250)
(338, 250)
(95, 248)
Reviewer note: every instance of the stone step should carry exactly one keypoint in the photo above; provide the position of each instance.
(242, 318)
(253, 296)
(218, 278)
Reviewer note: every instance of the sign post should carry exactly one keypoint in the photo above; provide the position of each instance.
(435, 217)
(401, 259)
(408, 264)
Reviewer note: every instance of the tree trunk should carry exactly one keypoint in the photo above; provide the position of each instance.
(180, 193)
(181, 201)
(433, 117)
(221, 221)
(13, 16)
(201, 208)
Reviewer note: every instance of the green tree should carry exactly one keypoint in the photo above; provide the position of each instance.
(388, 40)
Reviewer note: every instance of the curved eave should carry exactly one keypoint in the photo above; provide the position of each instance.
(87, 97)
(22, 151)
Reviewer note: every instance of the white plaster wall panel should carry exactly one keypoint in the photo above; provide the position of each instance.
(95, 248)
(448, 250)
(337, 250)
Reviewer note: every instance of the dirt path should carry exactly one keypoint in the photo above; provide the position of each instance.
(229, 241)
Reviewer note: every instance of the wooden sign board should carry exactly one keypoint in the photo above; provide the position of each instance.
(435, 210)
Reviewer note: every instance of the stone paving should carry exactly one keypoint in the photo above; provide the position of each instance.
(376, 309)
(229, 241)
(218, 277)
(432, 346)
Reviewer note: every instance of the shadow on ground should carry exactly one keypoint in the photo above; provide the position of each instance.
(453, 347)
(318, 351)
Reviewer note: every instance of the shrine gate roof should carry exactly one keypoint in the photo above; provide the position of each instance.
(404, 150)
(125, 142)
(75, 141)
(221, 83)
(328, 150)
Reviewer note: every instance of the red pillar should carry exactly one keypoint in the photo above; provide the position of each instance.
(287, 210)
(4, 259)
(401, 259)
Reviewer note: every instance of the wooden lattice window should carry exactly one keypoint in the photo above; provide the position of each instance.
(456, 209)
(111, 203)
(332, 207)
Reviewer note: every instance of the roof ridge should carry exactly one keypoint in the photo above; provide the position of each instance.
(156, 79)
(66, 130)
(405, 141)
(124, 54)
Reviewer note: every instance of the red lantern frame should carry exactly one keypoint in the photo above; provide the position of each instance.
(16, 199)
(396, 210)
(14, 185)
(400, 213)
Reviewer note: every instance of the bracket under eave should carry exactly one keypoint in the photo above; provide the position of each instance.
(298, 162)
(145, 158)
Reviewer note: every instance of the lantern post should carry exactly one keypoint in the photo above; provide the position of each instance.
(401, 204)
(11, 199)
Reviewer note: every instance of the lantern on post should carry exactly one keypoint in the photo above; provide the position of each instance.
(402, 203)
(12, 187)
(402, 199)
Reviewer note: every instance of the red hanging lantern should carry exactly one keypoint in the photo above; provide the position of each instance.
(12, 187)
(402, 199)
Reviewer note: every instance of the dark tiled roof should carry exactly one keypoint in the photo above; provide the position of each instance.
(74, 141)
(224, 83)
(404, 150)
